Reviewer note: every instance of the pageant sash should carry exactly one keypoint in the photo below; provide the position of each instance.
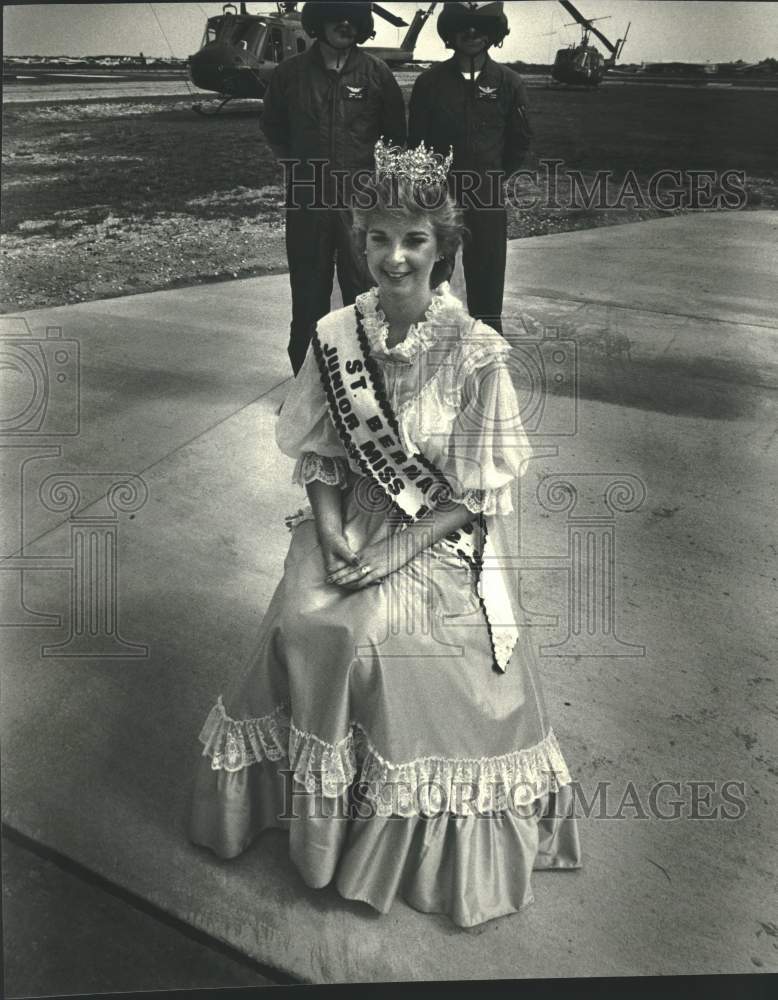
(414, 486)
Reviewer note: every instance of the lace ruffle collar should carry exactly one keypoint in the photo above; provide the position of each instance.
(445, 310)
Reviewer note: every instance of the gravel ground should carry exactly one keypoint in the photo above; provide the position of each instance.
(104, 198)
(69, 259)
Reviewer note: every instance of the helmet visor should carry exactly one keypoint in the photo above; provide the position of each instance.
(479, 25)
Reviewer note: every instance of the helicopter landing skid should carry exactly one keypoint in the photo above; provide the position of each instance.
(200, 109)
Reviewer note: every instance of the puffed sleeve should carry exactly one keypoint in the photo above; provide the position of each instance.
(305, 431)
(488, 447)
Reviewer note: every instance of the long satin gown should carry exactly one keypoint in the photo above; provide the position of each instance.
(372, 724)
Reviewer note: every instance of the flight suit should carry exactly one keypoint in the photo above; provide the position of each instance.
(315, 114)
(485, 120)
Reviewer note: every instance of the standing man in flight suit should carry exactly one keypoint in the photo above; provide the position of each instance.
(331, 103)
(479, 107)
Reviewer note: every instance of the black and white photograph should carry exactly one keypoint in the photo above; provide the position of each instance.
(390, 473)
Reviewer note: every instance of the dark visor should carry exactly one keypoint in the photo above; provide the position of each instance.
(478, 24)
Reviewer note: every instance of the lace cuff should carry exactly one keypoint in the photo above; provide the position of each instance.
(318, 468)
(489, 502)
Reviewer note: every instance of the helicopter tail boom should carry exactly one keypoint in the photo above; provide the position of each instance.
(620, 44)
(420, 18)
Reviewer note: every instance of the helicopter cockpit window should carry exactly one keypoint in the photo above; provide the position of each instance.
(274, 50)
(211, 30)
(252, 33)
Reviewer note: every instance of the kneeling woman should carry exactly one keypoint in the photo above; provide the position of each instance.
(391, 718)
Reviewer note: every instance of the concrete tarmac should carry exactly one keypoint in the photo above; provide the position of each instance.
(665, 427)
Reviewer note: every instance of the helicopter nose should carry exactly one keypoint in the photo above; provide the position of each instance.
(207, 67)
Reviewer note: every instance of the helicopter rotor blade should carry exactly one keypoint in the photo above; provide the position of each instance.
(387, 15)
(605, 41)
(588, 25)
(575, 13)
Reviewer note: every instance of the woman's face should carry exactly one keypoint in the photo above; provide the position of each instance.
(401, 253)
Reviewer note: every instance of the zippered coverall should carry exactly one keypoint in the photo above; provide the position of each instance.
(485, 120)
(328, 122)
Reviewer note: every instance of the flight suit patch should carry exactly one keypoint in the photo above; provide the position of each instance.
(354, 93)
(487, 93)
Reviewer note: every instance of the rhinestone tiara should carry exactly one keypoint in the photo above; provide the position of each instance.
(419, 165)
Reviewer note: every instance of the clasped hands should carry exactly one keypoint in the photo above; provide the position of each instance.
(357, 570)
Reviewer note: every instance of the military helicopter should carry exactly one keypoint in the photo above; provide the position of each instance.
(583, 63)
(240, 51)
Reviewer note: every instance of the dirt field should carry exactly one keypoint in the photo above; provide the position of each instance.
(108, 198)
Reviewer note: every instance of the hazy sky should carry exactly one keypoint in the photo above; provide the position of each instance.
(661, 29)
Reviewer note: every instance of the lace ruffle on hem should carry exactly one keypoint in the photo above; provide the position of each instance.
(425, 786)
(472, 869)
